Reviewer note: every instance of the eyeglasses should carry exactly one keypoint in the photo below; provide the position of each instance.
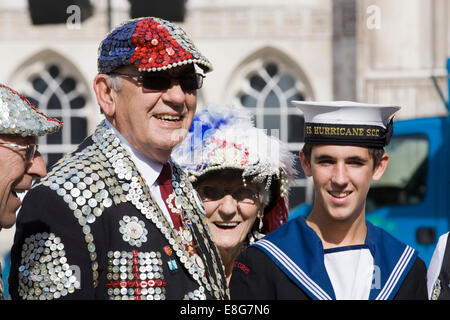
(30, 149)
(242, 195)
(159, 82)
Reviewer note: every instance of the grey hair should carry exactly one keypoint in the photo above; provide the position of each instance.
(115, 82)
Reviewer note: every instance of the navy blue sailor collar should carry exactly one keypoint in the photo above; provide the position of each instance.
(304, 263)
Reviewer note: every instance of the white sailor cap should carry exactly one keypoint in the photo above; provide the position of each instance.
(347, 123)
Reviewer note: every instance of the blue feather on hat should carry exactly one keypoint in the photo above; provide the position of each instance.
(214, 118)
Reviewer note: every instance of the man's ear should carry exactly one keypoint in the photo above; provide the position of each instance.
(105, 95)
(306, 165)
(380, 167)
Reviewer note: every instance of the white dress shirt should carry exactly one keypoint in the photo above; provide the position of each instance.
(351, 271)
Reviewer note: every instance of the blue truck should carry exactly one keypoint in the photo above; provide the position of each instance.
(412, 200)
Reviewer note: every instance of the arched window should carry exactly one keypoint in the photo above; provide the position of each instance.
(55, 94)
(57, 88)
(269, 91)
(267, 84)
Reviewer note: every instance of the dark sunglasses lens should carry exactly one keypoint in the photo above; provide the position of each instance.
(212, 193)
(245, 195)
(159, 83)
(31, 150)
(156, 83)
(191, 82)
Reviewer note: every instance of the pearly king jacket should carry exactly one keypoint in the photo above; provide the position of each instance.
(91, 230)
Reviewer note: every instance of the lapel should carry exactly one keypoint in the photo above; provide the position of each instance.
(392, 261)
(304, 263)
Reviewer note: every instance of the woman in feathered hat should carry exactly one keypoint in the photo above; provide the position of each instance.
(241, 174)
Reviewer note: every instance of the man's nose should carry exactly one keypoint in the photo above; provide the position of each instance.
(340, 175)
(36, 167)
(174, 95)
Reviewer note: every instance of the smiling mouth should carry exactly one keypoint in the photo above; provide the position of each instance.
(168, 117)
(226, 225)
(18, 192)
(339, 194)
(18, 195)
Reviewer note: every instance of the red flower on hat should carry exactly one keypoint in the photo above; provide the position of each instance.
(156, 46)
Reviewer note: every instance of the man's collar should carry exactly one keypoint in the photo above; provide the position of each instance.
(304, 264)
(149, 168)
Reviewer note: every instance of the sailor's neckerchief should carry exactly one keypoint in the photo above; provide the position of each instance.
(298, 252)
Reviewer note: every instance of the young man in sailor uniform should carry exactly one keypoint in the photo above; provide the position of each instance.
(116, 218)
(334, 253)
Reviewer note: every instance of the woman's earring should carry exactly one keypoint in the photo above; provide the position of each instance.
(251, 238)
(260, 224)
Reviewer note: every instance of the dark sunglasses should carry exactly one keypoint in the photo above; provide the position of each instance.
(159, 82)
(242, 195)
(30, 149)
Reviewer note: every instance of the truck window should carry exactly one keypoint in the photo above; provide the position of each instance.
(404, 181)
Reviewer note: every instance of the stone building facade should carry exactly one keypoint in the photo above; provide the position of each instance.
(264, 54)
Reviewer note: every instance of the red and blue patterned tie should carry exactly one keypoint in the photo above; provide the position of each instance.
(166, 188)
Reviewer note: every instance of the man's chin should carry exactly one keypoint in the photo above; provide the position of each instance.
(8, 222)
(343, 214)
(176, 137)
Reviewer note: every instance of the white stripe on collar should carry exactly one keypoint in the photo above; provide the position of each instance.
(294, 269)
(396, 274)
(316, 290)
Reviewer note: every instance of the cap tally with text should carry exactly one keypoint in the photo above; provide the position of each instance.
(347, 123)
(150, 44)
(18, 116)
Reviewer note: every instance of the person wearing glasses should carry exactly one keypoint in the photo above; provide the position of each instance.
(116, 218)
(241, 174)
(20, 161)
